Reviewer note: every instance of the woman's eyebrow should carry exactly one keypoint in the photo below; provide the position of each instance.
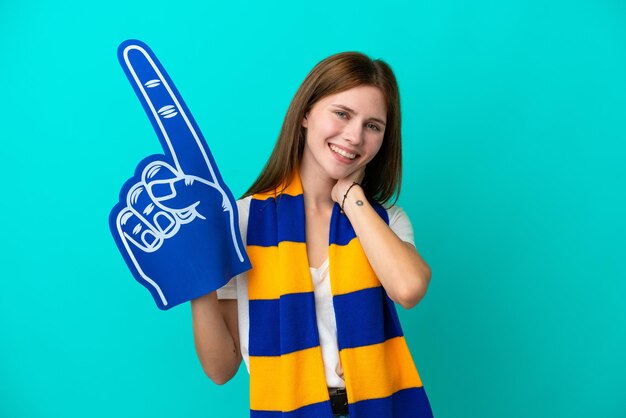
(349, 110)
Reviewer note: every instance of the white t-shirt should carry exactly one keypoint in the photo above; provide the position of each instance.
(237, 288)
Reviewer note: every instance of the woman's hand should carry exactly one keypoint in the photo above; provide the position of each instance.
(341, 187)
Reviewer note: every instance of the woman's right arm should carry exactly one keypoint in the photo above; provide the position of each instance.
(216, 336)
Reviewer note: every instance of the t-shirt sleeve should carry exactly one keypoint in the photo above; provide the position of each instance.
(400, 223)
(229, 290)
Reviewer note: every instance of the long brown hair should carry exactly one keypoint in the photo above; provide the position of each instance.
(333, 75)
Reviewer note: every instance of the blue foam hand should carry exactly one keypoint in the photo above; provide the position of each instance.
(176, 222)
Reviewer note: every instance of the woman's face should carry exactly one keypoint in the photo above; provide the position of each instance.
(344, 131)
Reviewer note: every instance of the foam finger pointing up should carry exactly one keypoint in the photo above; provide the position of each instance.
(166, 109)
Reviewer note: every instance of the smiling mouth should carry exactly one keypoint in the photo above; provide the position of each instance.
(343, 153)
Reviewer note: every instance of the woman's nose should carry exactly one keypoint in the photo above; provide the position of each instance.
(354, 132)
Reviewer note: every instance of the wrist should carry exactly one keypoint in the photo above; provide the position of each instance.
(345, 195)
(354, 199)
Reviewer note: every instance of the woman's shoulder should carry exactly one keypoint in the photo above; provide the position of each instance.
(243, 204)
(394, 212)
(243, 210)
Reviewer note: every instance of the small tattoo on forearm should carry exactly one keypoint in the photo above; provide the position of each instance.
(359, 203)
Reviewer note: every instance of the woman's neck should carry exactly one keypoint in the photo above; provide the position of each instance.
(316, 186)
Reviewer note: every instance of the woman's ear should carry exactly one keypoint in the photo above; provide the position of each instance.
(305, 121)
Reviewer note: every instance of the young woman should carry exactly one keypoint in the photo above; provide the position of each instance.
(314, 320)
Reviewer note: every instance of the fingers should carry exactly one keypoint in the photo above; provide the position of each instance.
(144, 223)
(162, 224)
(357, 176)
(136, 231)
(172, 121)
(159, 177)
(158, 204)
(179, 193)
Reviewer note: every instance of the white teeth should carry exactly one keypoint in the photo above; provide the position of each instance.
(342, 152)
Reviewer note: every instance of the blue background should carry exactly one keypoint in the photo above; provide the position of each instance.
(514, 139)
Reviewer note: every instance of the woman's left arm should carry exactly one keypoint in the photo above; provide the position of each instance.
(401, 270)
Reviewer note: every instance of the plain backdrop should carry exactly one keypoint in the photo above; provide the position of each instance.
(514, 149)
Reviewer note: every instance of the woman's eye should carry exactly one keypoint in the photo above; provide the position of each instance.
(373, 127)
(340, 114)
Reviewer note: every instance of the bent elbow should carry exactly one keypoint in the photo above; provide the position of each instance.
(220, 380)
(409, 301)
(220, 371)
(414, 291)
(219, 377)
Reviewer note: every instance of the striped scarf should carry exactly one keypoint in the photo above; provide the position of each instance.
(286, 368)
